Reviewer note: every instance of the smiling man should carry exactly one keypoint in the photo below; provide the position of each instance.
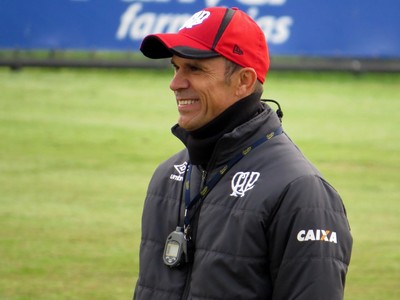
(240, 213)
(202, 90)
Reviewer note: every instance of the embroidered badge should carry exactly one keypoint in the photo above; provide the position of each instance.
(196, 19)
(242, 182)
(181, 170)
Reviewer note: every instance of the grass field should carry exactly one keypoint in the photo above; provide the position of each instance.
(78, 147)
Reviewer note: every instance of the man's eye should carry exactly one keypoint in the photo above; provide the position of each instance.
(194, 68)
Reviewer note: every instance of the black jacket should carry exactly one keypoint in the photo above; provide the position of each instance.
(272, 228)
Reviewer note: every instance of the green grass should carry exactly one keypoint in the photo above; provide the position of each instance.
(78, 147)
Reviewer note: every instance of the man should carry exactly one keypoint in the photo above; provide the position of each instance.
(239, 213)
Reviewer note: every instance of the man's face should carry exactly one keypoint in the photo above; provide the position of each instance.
(201, 91)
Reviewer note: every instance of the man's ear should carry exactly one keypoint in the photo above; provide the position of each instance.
(246, 81)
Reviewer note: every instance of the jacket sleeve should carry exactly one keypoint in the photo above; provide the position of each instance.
(309, 242)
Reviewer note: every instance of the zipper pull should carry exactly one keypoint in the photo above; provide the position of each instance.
(203, 178)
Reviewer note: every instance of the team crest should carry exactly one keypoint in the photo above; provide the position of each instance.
(196, 19)
(242, 182)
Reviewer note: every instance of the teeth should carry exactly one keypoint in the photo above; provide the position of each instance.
(186, 102)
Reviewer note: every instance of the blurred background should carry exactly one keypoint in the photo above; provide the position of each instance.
(343, 35)
(85, 119)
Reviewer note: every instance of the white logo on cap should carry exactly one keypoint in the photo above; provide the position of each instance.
(196, 19)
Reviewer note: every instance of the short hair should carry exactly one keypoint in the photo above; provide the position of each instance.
(231, 68)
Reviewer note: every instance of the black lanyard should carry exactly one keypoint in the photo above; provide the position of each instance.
(209, 185)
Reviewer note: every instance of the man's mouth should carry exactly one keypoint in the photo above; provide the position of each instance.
(186, 101)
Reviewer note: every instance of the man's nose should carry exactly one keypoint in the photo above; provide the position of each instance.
(178, 82)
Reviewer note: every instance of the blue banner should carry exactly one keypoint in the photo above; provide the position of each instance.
(340, 28)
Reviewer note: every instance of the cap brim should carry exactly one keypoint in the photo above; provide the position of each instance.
(165, 45)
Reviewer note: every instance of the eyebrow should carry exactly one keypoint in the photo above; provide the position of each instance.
(195, 63)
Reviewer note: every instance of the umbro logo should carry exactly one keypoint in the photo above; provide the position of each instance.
(181, 169)
(237, 50)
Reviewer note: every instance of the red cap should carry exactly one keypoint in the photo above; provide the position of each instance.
(212, 32)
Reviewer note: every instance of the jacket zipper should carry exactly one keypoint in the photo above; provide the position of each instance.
(203, 178)
(190, 266)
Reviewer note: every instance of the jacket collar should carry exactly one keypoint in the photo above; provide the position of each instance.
(226, 134)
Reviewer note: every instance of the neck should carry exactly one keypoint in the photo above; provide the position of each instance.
(201, 142)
